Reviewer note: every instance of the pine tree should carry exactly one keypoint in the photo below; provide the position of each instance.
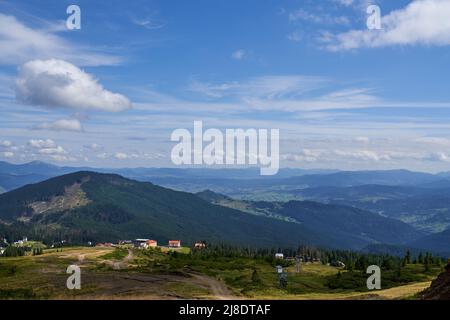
(420, 258)
(255, 277)
(408, 257)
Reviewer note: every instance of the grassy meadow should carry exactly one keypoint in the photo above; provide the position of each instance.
(128, 273)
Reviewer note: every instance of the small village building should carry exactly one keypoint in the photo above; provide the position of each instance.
(199, 245)
(279, 256)
(151, 244)
(174, 243)
(140, 243)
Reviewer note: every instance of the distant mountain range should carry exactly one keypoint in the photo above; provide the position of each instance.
(88, 206)
(13, 176)
(420, 200)
(224, 180)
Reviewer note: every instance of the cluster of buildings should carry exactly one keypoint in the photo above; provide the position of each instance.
(21, 242)
(149, 243)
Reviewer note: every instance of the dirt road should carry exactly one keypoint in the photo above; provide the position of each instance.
(119, 265)
(219, 290)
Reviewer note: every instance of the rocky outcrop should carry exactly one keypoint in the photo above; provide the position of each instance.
(440, 288)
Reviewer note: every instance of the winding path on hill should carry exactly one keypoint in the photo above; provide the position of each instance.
(124, 263)
(218, 289)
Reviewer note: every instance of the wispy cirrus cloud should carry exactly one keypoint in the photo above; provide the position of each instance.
(270, 87)
(21, 43)
(323, 18)
(149, 23)
(61, 125)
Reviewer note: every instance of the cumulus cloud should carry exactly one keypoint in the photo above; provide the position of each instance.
(40, 143)
(62, 125)
(422, 22)
(57, 83)
(55, 150)
(121, 156)
(46, 147)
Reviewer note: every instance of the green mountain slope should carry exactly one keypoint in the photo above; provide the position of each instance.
(354, 226)
(439, 242)
(87, 206)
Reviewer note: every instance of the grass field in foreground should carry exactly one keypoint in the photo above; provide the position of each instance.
(127, 273)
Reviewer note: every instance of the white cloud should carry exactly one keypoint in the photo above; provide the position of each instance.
(62, 158)
(267, 87)
(345, 2)
(6, 143)
(62, 125)
(8, 154)
(323, 18)
(57, 83)
(290, 93)
(39, 143)
(53, 150)
(103, 156)
(21, 43)
(295, 36)
(46, 147)
(362, 139)
(422, 22)
(239, 54)
(363, 155)
(94, 147)
(435, 140)
(437, 156)
(149, 23)
(121, 156)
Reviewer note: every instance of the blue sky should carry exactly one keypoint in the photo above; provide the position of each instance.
(342, 96)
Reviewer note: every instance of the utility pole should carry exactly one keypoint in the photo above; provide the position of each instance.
(298, 264)
(282, 276)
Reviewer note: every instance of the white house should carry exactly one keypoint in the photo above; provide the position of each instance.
(279, 256)
(174, 244)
